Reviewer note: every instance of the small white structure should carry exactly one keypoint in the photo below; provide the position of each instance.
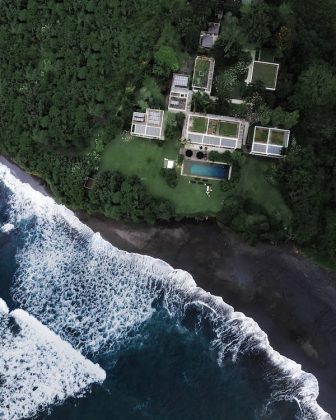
(215, 131)
(180, 95)
(210, 36)
(149, 124)
(203, 74)
(168, 164)
(269, 141)
(248, 79)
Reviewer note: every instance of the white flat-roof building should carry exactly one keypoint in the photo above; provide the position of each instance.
(269, 141)
(265, 72)
(203, 74)
(168, 163)
(215, 131)
(180, 95)
(149, 124)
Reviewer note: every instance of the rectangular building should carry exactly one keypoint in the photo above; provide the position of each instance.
(149, 124)
(210, 36)
(180, 95)
(265, 72)
(215, 131)
(269, 141)
(203, 74)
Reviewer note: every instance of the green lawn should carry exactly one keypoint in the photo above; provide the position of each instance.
(277, 137)
(266, 73)
(261, 135)
(253, 184)
(228, 129)
(144, 158)
(201, 71)
(198, 124)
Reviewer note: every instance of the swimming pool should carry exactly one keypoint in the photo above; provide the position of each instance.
(206, 170)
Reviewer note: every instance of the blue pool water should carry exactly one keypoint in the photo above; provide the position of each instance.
(210, 171)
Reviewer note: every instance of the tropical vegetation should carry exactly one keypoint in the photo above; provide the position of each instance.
(72, 72)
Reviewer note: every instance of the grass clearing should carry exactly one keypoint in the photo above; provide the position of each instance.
(266, 73)
(254, 185)
(144, 157)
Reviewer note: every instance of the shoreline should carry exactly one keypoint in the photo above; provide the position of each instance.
(290, 298)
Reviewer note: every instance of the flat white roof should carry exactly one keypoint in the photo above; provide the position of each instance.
(269, 141)
(180, 81)
(148, 124)
(168, 163)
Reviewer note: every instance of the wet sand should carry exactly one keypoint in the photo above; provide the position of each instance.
(293, 300)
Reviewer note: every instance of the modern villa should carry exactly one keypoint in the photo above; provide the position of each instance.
(203, 74)
(149, 124)
(269, 141)
(180, 95)
(206, 133)
(215, 131)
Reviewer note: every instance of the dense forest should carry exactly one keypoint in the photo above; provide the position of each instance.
(71, 73)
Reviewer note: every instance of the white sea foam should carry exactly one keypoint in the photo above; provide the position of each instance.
(6, 228)
(3, 307)
(95, 296)
(37, 367)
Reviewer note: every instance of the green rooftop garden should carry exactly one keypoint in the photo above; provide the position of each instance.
(265, 73)
(228, 129)
(277, 137)
(198, 124)
(201, 72)
(261, 135)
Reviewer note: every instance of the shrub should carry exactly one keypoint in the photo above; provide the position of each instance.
(170, 176)
(225, 157)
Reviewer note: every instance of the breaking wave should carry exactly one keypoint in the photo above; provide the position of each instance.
(6, 228)
(37, 367)
(96, 296)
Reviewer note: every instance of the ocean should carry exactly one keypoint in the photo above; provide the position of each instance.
(88, 331)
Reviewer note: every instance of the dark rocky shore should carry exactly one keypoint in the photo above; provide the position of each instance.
(293, 300)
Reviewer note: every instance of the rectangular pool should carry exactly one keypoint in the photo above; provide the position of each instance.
(206, 170)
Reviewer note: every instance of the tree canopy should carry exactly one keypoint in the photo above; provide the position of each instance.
(71, 73)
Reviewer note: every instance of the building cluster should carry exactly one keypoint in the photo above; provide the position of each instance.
(204, 132)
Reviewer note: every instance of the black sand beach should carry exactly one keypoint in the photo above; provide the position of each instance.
(292, 299)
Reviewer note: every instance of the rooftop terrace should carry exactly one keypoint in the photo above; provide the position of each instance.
(148, 124)
(180, 95)
(215, 131)
(269, 141)
(267, 73)
(203, 74)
